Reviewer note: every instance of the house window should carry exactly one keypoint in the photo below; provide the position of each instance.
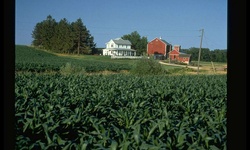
(112, 45)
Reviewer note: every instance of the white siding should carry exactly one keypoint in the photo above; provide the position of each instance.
(120, 50)
(110, 44)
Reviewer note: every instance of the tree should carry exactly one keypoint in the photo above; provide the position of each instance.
(78, 30)
(205, 54)
(216, 55)
(43, 33)
(138, 43)
(142, 46)
(83, 41)
(37, 35)
(194, 53)
(89, 44)
(62, 39)
(219, 55)
(63, 36)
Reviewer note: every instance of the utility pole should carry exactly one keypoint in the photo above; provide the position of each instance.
(202, 30)
(169, 52)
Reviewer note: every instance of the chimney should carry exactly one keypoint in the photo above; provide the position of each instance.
(160, 37)
(177, 48)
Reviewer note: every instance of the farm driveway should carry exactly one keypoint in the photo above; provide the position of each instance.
(193, 67)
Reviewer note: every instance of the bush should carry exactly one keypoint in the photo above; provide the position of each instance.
(147, 66)
(70, 69)
(181, 70)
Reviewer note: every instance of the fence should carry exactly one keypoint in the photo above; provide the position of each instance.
(127, 57)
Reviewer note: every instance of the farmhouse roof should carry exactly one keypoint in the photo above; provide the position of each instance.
(121, 41)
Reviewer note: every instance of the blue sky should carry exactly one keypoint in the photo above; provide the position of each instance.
(179, 22)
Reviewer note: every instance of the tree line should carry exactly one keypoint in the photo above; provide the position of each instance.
(216, 55)
(63, 36)
(75, 38)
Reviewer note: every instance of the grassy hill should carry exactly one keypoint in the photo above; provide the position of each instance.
(36, 60)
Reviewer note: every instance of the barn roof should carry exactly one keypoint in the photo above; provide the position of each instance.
(184, 55)
(165, 42)
(181, 54)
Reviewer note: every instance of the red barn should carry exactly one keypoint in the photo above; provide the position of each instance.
(158, 47)
(175, 54)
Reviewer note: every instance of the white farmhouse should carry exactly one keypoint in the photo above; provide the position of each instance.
(119, 47)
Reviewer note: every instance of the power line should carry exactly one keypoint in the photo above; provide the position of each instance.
(210, 43)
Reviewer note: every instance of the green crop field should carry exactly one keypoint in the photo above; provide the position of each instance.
(114, 111)
(29, 59)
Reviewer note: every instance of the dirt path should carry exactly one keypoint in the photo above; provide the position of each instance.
(204, 69)
(193, 67)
